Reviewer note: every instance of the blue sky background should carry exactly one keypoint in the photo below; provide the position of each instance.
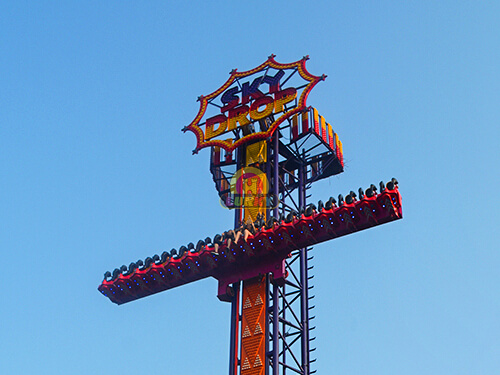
(95, 173)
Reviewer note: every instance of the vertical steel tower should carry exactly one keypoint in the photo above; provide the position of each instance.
(292, 160)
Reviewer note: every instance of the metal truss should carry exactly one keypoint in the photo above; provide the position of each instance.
(290, 336)
(288, 310)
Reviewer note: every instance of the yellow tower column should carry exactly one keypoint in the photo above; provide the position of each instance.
(253, 315)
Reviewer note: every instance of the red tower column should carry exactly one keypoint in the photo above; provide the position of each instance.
(253, 327)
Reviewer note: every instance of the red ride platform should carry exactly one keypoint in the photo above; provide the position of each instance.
(262, 252)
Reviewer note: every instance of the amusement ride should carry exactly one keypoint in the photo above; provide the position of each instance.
(267, 148)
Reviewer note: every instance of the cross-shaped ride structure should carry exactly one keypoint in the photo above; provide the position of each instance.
(267, 147)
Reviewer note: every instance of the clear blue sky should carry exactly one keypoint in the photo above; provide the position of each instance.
(95, 173)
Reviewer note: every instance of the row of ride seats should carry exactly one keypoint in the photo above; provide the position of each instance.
(257, 225)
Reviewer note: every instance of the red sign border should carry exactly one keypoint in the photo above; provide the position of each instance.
(270, 62)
